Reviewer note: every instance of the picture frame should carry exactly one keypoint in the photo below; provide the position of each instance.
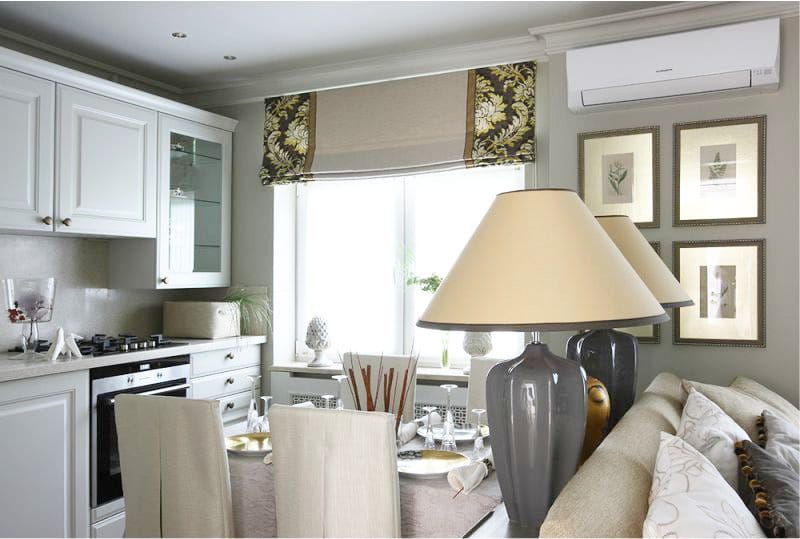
(720, 172)
(619, 173)
(650, 334)
(726, 279)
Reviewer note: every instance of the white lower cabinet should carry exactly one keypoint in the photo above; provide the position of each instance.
(112, 527)
(44, 476)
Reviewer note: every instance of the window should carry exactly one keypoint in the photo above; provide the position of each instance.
(359, 241)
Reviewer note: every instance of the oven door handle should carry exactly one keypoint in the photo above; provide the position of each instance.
(159, 391)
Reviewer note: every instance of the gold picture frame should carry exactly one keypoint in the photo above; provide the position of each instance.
(650, 334)
(726, 279)
(720, 172)
(619, 173)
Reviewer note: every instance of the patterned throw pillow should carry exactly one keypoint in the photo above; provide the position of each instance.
(769, 488)
(689, 498)
(780, 438)
(709, 430)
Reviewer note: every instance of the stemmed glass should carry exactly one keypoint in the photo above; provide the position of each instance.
(253, 424)
(477, 449)
(327, 399)
(429, 441)
(449, 435)
(265, 418)
(340, 378)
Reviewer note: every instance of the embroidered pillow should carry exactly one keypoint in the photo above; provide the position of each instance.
(689, 498)
(780, 438)
(708, 429)
(769, 488)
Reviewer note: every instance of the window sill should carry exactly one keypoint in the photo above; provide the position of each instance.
(427, 374)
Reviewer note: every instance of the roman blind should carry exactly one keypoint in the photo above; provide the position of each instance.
(479, 117)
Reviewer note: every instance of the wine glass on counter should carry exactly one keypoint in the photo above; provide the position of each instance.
(264, 422)
(429, 443)
(253, 423)
(477, 449)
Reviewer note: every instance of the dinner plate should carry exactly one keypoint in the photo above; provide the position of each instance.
(256, 444)
(429, 463)
(461, 434)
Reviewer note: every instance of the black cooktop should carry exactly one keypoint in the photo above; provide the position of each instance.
(106, 345)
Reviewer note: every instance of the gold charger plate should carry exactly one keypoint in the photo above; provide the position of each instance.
(255, 444)
(431, 463)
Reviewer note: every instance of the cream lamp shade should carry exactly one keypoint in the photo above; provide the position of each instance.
(540, 261)
(645, 261)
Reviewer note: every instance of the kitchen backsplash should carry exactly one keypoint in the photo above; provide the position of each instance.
(83, 303)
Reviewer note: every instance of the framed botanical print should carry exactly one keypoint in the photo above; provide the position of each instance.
(720, 172)
(618, 173)
(650, 334)
(726, 281)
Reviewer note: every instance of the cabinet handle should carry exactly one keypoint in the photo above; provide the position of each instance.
(229, 355)
(47, 220)
(164, 280)
(229, 380)
(67, 222)
(229, 406)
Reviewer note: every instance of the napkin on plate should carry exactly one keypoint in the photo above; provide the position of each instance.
(409, 430)
(468, 477)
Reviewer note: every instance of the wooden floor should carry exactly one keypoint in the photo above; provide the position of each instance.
(496, 524)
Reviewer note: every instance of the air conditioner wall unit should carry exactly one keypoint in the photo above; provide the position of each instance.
(721, 59)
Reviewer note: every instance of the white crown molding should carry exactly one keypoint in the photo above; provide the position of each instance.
(371, 70)
(655, 21)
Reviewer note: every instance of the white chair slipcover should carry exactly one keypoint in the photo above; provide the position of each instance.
(399, 363)
(174, 467)
(335, 473)
(476, 388)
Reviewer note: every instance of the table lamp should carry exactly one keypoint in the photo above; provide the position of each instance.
(538, 261)
(613, 356)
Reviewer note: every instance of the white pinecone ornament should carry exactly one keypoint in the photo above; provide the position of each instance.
(317, 340)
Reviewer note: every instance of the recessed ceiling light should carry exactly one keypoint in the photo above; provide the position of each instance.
(229, 57)
(179, 35)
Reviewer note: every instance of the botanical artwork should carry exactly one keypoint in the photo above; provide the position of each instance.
(717, 291)
(288, 138)
(504, 115)
(618, 178)
(718, 166)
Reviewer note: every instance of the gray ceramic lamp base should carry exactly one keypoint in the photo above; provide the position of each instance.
(612, 357)
(537, 417)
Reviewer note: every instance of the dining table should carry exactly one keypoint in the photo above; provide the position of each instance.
(429, 507)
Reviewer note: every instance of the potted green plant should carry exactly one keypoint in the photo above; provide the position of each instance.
(254, 308)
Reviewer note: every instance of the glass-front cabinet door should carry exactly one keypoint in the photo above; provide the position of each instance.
(195, 198)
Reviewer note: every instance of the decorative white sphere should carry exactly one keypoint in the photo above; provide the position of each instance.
(477, 343)
(317, 334)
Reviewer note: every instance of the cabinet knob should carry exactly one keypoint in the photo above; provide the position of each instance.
(164, 280)
(229, 355)
(229, 380)
(47, 220)
(67, 222)
(230, 406)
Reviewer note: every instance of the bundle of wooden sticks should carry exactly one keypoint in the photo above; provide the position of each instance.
(392, 393)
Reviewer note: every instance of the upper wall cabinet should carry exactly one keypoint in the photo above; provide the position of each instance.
(27, 117)
(106, 166)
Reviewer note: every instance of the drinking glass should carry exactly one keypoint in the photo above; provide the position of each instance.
(477, 449)
(340, 379)
(327, 399)
(430, 443)
(449, 435)
(265, 417)
(253, 424)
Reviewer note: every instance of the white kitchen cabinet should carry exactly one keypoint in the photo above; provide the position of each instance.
(27, 110)
(44, 475)
(106, 174)
(112, 527)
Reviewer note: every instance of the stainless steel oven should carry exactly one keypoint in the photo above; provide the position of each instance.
(166, 376)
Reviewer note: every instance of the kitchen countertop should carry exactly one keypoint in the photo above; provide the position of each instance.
(18, 369)
(423, 373)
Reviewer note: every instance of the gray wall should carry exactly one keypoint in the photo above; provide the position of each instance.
(83, 304)
(776, 365)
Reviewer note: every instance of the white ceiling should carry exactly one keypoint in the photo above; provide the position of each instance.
(271, 37)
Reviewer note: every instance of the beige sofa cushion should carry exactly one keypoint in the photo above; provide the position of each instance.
(608, 495)
(767, 395)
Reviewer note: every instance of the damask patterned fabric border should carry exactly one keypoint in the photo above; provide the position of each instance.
(455, 120)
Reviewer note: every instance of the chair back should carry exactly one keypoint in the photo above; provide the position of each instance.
(476, 387)
(386, 377)
(174, 465)
(335, 473)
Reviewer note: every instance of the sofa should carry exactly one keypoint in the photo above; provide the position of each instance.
(608, 496)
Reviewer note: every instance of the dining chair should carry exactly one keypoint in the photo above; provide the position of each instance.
(385, 367)
(174, 465)
(476, 387)
(335, 473)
